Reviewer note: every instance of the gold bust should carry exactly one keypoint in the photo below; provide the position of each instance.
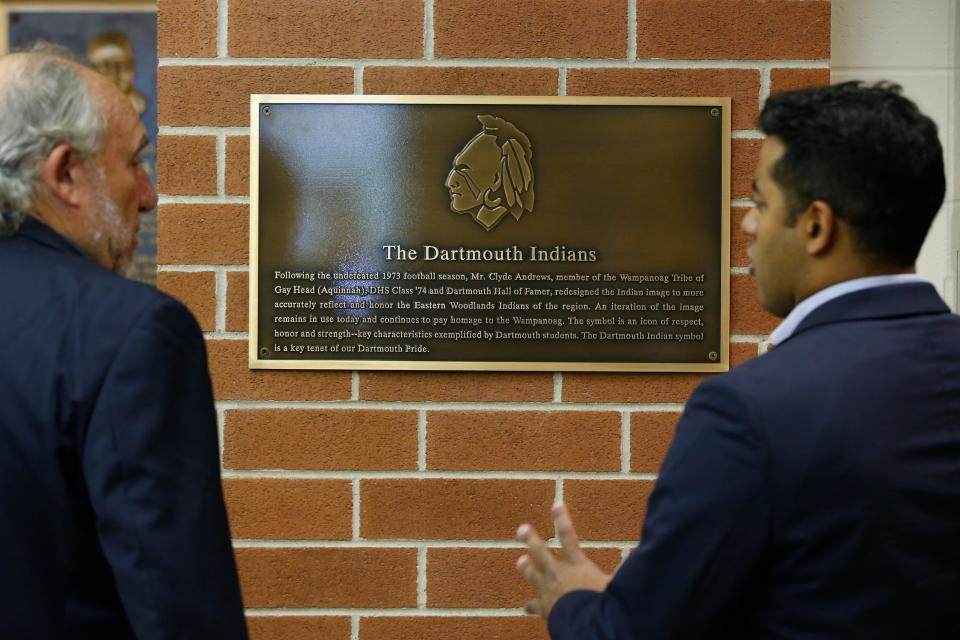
(111, 55)
(493, 175)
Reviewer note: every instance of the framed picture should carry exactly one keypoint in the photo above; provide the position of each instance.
(120, 41)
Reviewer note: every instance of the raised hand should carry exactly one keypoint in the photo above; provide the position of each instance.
(551, 576)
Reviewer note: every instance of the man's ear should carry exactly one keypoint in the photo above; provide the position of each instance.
(63, 175)
(818, 225)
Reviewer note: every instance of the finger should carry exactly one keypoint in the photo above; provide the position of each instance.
(535, 546)
(565, 532)
(533, 607)
(529, 570)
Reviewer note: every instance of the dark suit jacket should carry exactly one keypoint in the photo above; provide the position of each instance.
(112, 523)
(813, 492)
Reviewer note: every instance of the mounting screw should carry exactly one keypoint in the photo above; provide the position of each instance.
(266, 110)
(713, 356)
(714, 112)
(264, 352)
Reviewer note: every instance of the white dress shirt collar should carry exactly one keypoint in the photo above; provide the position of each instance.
(786, 328)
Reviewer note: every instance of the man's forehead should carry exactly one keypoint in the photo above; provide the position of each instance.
(770, 151)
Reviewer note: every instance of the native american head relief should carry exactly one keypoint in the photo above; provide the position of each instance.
(111, 55)
(493, 175)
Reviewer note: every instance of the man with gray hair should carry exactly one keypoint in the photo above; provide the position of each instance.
(112, 522)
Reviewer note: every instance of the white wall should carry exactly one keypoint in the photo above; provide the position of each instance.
(915, 43)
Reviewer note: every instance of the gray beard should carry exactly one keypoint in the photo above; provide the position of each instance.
(107, 226)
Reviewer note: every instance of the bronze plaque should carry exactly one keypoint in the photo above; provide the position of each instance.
(494, 233)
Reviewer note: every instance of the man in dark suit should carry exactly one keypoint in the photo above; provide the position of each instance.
(813, 492)
(112, 522)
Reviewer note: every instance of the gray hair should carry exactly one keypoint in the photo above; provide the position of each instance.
(43, 102)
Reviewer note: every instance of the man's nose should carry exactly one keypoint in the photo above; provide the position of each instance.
(750, 222)
(148, 195)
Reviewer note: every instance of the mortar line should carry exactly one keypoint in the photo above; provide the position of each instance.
(358, 79)
(764, 84)
(428, 30)
(200, 130)
(195, 268)
(223, 10)
(555, 63)
(221, 301)
(225, 335)
(625, 442)
(355, 495)
(422, 440)
(546, 407)
(631, 30)
(220, 422)
(355, 476)
(421, 577)
(354, 627)
(355, 386)
(204, 200)
(379, 613)
(562, 81)
(558, 387)
(221, 164)
(416, 544)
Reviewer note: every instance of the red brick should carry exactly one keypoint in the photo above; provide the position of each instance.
(746, 314)
(289, 509)
(234, 380)
(739, 241)
(452, 509)
(650, 435)
(187, 165)
(642, 388)
(742, 352)
(327, 29)
(455, 386)
(203, 234)
(187, 28)
(530, 29)
(790, 79)
(220, 96)
(298, 627)
(733, 29)
(237, 171)
(744, 155)
(630, 387)
(504, 81)
(453, 628)
(329, 578)
(196, 290)
(339, 439)
(523, 440)
(238, 301)
(743, 85)
(607, 509)
(488, 578)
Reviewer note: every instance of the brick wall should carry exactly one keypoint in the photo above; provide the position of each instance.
(382, 505)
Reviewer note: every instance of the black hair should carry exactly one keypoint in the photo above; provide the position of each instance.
(868, 152)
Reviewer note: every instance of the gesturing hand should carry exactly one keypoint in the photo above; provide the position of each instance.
(553, 577)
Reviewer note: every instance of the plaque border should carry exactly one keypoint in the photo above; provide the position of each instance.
(255, 362)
